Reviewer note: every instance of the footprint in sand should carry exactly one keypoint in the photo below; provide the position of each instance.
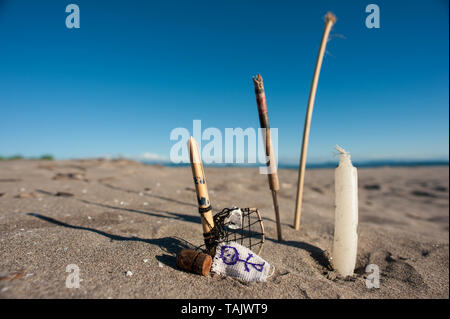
(423, 194)
(317, 190)
(391, 268)
(372, 187)
(441, 189)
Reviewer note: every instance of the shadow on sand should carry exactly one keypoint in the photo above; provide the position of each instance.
(154, 212)
(316, 253)
(149, 195)
(170, 245)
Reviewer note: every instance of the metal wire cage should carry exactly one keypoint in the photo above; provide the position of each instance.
(250, 233)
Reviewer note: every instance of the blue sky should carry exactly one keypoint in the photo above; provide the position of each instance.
(135, 70)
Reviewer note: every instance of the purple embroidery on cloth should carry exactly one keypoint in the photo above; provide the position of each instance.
(230, 256)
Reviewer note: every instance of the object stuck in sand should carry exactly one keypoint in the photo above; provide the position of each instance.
(194, 261)
(272, 173)
(346, 215)
(217, 229)
(231, 224)
(204, 205)
(250, 235)
(330, 20)
(237, 261)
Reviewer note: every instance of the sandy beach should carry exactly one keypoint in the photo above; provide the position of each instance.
(122, 223)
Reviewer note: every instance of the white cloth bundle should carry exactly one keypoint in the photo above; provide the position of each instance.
(234, 220)
(235, 260)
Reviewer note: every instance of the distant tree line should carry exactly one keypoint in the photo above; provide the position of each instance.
(45, 157)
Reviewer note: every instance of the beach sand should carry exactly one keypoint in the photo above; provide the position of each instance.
(126, 221)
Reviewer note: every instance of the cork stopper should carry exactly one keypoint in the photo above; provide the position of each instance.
(194, 261)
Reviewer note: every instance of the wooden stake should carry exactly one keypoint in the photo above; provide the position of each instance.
(330, 19)
(204, 205)
(264, 123)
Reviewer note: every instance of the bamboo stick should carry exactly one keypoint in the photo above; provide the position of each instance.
(201, 189)
(330, 19)
(264, 123)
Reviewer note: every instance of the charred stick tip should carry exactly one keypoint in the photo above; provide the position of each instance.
(258, 82)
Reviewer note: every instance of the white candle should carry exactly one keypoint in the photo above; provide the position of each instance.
(346, 216)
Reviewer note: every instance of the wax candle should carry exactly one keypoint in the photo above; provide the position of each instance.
(346, 216)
